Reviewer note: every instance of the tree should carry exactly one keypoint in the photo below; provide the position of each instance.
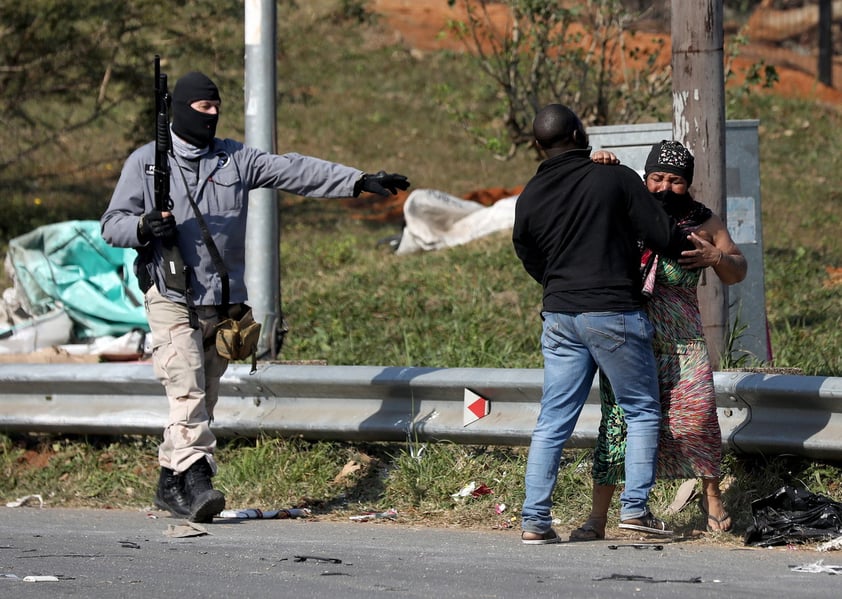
(85, 59)
(70, 54)
(543, 51)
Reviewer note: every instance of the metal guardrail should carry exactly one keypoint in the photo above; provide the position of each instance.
(758, 413)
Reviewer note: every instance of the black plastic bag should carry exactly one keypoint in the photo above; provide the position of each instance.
(792, 515)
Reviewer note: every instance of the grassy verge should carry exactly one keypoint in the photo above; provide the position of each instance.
(339, 480)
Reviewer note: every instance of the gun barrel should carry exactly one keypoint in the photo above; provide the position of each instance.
(163, 201)
(175, 271)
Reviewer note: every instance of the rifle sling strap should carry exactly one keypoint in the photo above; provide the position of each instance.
(206, 236)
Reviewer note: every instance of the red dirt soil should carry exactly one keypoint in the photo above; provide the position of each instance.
(418, 24)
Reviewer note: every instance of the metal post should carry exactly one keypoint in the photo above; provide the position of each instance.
(698, 84)
(263, 240)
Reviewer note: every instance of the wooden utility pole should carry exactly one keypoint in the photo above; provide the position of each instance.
(826, 42)
(698, 88)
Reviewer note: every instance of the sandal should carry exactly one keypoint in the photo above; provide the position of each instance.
(592, 530)
(722, 523)
(539, 538)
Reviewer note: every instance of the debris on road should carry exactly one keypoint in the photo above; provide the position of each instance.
(258, 514)
(188, 529)
(817, 568)
(26, 500)
(390, 514)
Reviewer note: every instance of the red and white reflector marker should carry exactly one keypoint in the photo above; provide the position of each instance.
(476, 407)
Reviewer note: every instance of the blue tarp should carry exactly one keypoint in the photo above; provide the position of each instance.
(69, 265)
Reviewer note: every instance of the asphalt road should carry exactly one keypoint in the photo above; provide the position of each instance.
(112, 553)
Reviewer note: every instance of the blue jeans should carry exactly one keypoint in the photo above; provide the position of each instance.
(574, 346)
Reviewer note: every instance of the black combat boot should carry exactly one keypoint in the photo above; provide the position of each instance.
(170, 495)
(205, 501)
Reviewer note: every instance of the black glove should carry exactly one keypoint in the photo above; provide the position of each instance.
(382, 183)
(154, 224)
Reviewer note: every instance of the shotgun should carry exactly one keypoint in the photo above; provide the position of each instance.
(175, 273)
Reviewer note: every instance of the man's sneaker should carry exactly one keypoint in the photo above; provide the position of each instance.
(539, 538)
(647, 523)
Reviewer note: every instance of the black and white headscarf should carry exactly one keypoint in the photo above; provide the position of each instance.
(670, 157)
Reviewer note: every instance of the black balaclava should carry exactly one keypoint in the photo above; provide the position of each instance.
(197, 128)
(670, 157)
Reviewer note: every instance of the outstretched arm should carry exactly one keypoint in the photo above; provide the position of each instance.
(381, 183)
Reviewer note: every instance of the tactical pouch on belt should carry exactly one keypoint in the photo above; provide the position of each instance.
(141, 271)
(237, 339)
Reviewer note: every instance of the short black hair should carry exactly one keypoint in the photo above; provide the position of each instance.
(556, 125)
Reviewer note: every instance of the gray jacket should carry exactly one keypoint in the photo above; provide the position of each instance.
(225, 176)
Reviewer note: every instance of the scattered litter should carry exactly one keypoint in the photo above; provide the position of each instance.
(685, 495)
(793, 515)
(652, 546)
(831, 545)
(190, 529)
(256, 513)
(500, 508)
(26, 500)
(834, 277)
(472, 490)
(129, 545)
(40, 578)
(465, 491)
(317, 558)
(416, 451)
(390, 514)
(152, 516)
(348, 469)
(638, 578)
(817, 568)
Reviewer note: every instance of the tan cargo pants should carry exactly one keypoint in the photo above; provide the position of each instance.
(187, 365)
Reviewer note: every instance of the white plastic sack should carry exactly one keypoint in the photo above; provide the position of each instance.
(131, 346)
(37, 332)
(437, 220)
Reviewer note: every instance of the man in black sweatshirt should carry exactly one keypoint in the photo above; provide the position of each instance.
(576, 230)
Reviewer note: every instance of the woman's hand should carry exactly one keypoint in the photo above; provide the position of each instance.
(605, 157)
(714, 248)
(705, 253)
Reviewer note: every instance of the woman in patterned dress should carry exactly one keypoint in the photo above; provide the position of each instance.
(690, 444)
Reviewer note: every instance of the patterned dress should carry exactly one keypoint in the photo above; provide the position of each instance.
(690, 443)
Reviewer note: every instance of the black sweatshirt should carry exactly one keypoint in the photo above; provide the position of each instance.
(577, 224)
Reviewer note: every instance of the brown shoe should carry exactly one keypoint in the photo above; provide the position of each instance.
(647, 523)
(539, 538)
